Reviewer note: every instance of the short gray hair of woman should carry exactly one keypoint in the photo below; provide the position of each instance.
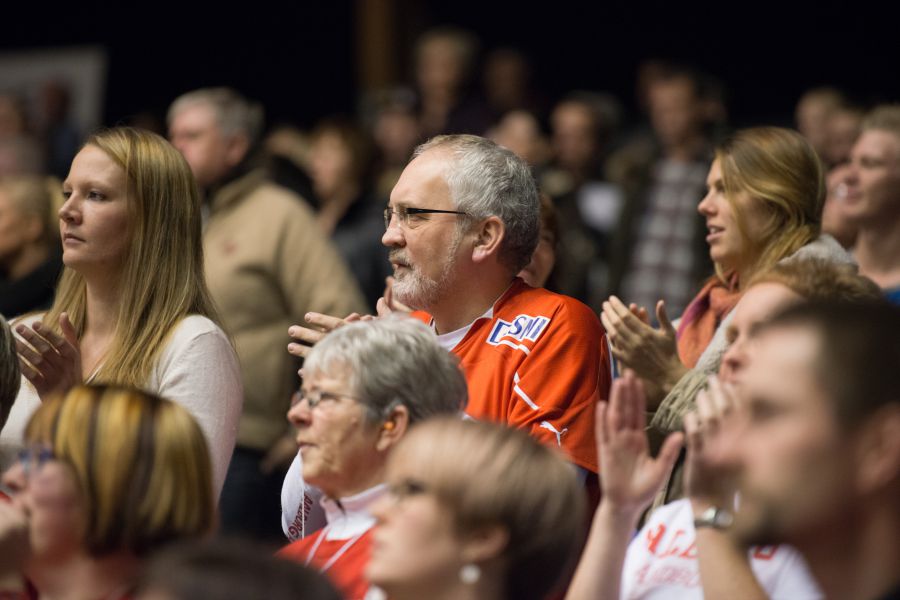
(391, 361)
(488, 180)
(10, 378)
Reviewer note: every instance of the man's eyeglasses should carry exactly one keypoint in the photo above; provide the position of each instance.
(33, 459)
(410, 218)
(313, 399)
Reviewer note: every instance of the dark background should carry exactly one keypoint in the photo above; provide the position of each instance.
(299, 58)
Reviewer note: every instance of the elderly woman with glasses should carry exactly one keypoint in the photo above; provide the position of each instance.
(108, 476)
(363, 386)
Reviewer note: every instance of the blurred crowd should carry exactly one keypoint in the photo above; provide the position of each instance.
(674, 342)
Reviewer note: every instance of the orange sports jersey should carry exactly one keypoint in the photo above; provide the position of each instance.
(346, 573)
(537, 361)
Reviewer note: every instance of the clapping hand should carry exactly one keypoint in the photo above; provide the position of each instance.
(651, 353)
(52, 363)
(708, 481)
(318, 326)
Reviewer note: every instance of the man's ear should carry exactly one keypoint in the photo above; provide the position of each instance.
(488, 236)
(392, 428)
(237, 147)
(878, 462)
(484, 544)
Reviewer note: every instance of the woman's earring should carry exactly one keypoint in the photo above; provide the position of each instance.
(470, 574)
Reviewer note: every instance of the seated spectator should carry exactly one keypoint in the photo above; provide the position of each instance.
(764, 205)
(29, 244)
(680, 552)
(656, 248)
(445, 60)
(814, 445)
(362, 388)
(543, 259)
(340, 168)
(132, 307)
(475, 510)
(844, 126)
(9, 371)
(108, 476)
(835, 221)
(872, 200)
(813, 112)
(229, 571)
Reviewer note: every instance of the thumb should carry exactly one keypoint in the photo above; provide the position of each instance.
(68, 330)
(668, 454)
(663, 318)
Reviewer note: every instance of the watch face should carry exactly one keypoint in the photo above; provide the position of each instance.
(723, 518)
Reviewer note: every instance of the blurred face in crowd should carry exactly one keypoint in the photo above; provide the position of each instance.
(440, 69)
(543, 259)
(94, 219)
(211, 154)
(396, 132)
(843, 129)
(727, 245)
(835, 220)
(46, 491)
(337, 443)
(758, 304)
(519, 132)
(813, 113)
(791, 458)
(17, 230)
(574, 135)
(330, 164)
(675, 110)
(873, 184)
(414, 545)
(425, 251)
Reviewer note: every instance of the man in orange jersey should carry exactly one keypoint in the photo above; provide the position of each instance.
(462, 221)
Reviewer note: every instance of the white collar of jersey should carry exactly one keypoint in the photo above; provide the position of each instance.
(350, 516)
(448, 341)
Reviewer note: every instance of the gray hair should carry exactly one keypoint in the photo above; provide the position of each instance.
(488, 180)
(234, 113)
(9, 371)
(391, 361)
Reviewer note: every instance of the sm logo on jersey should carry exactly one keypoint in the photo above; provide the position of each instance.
(523, 327)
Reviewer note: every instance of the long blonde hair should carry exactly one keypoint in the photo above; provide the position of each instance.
(779, 168)
(162, 278)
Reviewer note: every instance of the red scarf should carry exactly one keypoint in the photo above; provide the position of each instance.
(702, 317)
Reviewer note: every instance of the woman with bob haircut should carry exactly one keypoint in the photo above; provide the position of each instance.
(132, 307)
(475, 510)
(764, 204)
(108, 476)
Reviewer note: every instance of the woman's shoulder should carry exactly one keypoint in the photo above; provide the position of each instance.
(825, 248)
(193, 331)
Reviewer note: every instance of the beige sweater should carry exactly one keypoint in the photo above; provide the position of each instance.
(267, 265)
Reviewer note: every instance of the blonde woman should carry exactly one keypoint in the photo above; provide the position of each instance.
(764, 204)
(108, 476)
(132, 307)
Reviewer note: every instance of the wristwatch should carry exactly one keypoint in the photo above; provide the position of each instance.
(715, 517)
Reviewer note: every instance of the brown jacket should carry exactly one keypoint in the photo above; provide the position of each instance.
(267, 264)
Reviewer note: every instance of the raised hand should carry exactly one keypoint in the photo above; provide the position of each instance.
(651, 353)
(629, 476)
(707, 480)
(52, 363)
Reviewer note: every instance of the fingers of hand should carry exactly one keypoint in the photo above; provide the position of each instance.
(600, 425)
(722, 396)
(322, 322)
(692, 432)
(300, 350)
(668, 454)
(664, 324)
